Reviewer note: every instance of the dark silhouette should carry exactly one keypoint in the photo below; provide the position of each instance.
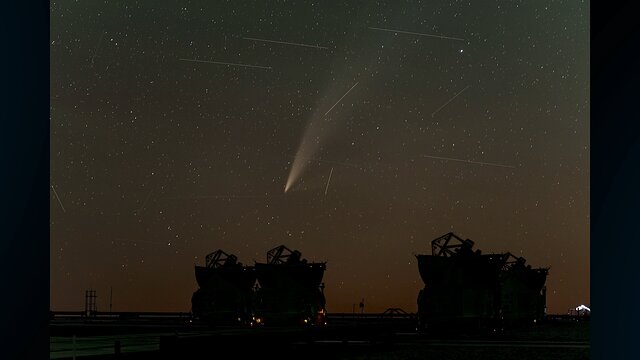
(288, 290)
(465, 289)
(226, 290)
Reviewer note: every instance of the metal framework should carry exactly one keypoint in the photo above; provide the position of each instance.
(445, 245)
(395, 311)
(90, 305)
(219, 258)
(283, 255)
(466, 288)
(513, 262)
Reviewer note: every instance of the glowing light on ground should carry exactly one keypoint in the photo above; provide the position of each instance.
(583, 308)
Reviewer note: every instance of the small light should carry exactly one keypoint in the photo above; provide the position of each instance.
(583, 307)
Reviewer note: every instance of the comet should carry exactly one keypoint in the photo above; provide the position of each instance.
(308, 146)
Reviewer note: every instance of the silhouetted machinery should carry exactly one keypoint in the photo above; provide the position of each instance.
(225, 293)
(467, 289)
(291, 289)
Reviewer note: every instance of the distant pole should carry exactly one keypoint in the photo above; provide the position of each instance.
(110, 298)
(90, 306)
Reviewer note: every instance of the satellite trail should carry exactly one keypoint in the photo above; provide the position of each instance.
(144, 202)
(201, 197)
(228, 64)
(332, 162)
(345, 94)
(57, 197)
(414, 33)
(328, 181)
(450, 100)
(285, 43)
(468, 161)
(97, 48)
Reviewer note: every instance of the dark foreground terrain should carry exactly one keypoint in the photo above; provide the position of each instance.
(564, 339)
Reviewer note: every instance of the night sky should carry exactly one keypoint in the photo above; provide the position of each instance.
(158, 160)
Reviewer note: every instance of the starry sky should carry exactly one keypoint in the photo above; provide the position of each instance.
(157, 159)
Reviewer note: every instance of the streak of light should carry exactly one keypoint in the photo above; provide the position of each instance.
(228, 64)
(345, 94)
(97, 48)
(332, 162)
(328, 181)
(450, 100)
(220, 197)
(420, 34)
(135, 242)
(57, 197)
(468, 161)
(145, 201)
(285, 42)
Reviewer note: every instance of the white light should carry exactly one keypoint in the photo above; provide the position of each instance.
(582, 307)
